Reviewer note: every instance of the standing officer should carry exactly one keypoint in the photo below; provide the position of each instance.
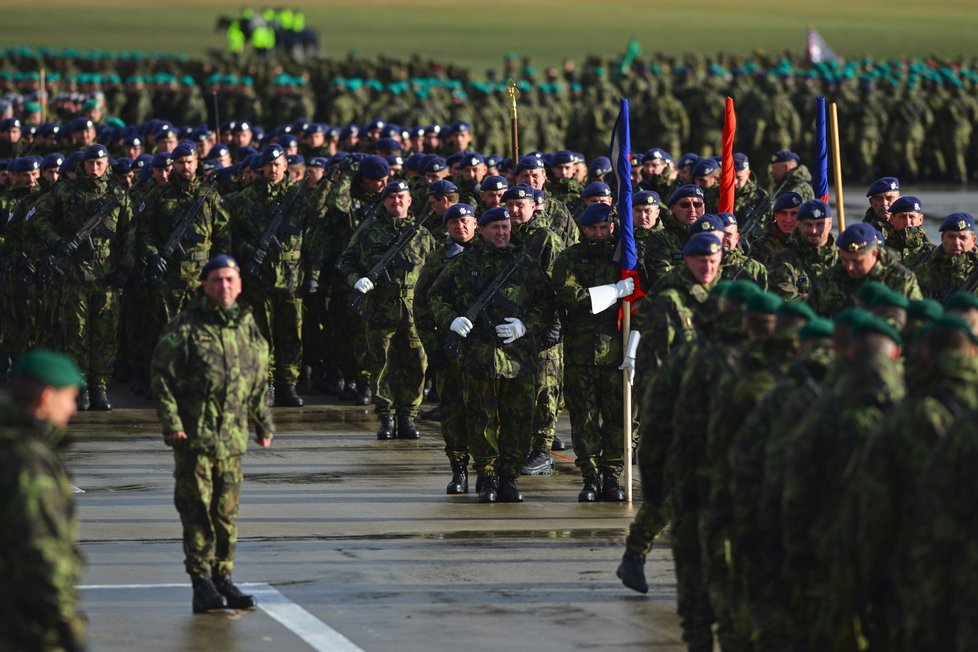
(498, 358)
(809, 253)
(40, 563)
(209, 378)
(395, 359)
(275, 292)
(96, 268)
(942, 272)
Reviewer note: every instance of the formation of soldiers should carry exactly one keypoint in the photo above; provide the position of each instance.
(812, 470)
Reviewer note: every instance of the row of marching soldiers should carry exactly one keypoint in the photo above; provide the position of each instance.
(815, 473)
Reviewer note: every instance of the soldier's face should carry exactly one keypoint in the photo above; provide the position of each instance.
(901, 221)
(704, 268)
(731, 237)
(653, 167)
(706, 182)
(534, 178)
(461, 140)
(132, 152)
(166, 144)
(598, 200)
(397, 204)
(162, 175)
(491, 198)
(11, 135)
(28, 179)
(242, 138)
(297, 172)
(520, 210)
(742, 177)
(313, 175)
(374, 185)
(185, 168)
(688, 209)
(564, 171)
(431, 177)
(956, 243)
(858, 263)
(431, 141)
(497, 233)
(274, 171)
(645, 216)
(315, 139)
(882, 201)
(439, 204)
(472, 172)
(815, 232)
(598, 232)
(780, 170)
(223, 286)
(51, 175)
(786, 219)
(96, 167)
(461, 229)
(57, 406)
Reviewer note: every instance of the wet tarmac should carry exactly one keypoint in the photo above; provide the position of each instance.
(351, 543)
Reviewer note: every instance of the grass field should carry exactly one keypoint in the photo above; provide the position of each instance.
(478, 34)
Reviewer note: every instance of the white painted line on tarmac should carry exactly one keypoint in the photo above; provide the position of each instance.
(76, 490)
(314, 632)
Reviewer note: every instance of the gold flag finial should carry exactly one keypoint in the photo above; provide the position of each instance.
(514, 94)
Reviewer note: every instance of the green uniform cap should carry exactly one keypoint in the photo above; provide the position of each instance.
(868, 291)
(877, 325)
(852, 316)
(889, 297)
(48, 368)
(720, 289)
(962, 301)
(952, 322)
(925, 310)
(741, 290)
(797, 309)
(817, 328)
(764, 303)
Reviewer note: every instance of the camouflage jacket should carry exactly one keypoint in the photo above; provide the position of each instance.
(664, 248)
(673, 314)
(592, 340)
(911, 243)
(348, 206)
(769, 244)
(40, 563)
(748, 200)
(209, 377)
(539, 241)
(210, 225)
(798, 180)
(300, 235)
(431, 336)
(835, 290)
(940, 275)
(13, 206)
(483, 353)
(881, 225)
(567, 191)
(794, 270)
(556, 216)
(736, 265)
(384, 303)
(62, 213)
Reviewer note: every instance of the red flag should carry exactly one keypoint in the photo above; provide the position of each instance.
(727, 175)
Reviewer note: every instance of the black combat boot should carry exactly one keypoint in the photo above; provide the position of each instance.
(206, 596)
(364, 396)
(460, 479)
(434, 414)
(508, 491)
(287, 396)
(489, 491)
(591, 490)
(386, 430)
(611, 491)
(235, 598)
(558, 445)
(348, 391)
(100, 400)
(84, 400)
(406, 428)
(631, 572)
(538, 463)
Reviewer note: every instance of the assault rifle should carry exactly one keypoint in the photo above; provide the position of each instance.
(491, 297)
(760, 207)
(967, 287)
(174, 243)
(392, 259)
(278, 226)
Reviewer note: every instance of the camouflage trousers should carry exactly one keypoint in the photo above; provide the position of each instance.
(693, 601)
(595, 402)
(499, 415)
(90, 314)
(343, 335)
(279, 318)
(453, 427)
(726, 595)
(547, 403)
(769, 598)
(21, 315)
(141, 322)
(653, 463)
(396, 362)
(207, 493)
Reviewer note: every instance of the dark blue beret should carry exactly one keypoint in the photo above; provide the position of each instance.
(493, 160)
(271, 153)
(433, 163)
(442, 187)
(432, 129)
(122, 165)
(95, 151)
(318, 162)
(596, 189)
(220, 261)
(599, 167)
(133, 141)
(413, 162)
(461, 127)
(470, 159)
(563, 157)
(539, 196)
(729, 219)
(183, 150)
(645, 198)
(689, 190)
(241, 126)
(374, 124)
(394, 187)
(518, 192)
(688, 159)
(388, 145)
(783, 156)
(958, 222)
(884, 184)
(907, 204)
(53, 160)
(787, 200)
(71, 162)
(8, 124)
(219, 150)
(350, 130)
(392, 161)
(741, 162)
(295, 159)
(705, 167)
(494, 215)
(858, 237)
(655, 154)
(456, 211)
(529, 163)
(703, 244)
(494, 183)
(708, 223)
(162, 160)
(374, 168)
(596, 213)
(287, 141)
(315, 128)
(454, 159)
(814, 209)
(212, 165)
(25, 164)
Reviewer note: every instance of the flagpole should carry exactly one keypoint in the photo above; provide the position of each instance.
(514, 119)
(626, 331)
(837, 166)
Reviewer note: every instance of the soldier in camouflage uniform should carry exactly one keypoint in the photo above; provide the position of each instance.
(460, 224)
(18, 325)
(946, 269)
(881, 194)
(499, 351)
(809, 253)
(395, 358)
(530, 171)
(783, 222)
(861, 259)
(663, 249)
(817, 470)
(40, 563)
(275, 274)
(563, 184)
(749, 197)
(735, 263)
(594, 351)
(209, 377)
(789, 175)
(96, 269)
(471, 172)
(881, 496)
(906, 235)
(176, 276)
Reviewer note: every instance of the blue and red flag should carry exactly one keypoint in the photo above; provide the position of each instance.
(627, 255)
(820, 174)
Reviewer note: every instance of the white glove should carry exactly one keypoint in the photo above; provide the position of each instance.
(511, 331)
(363, 285)
(631, 350)
(461, 325)
(625, 287)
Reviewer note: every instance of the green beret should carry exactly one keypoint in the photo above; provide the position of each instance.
(764, 303)
(741, 290)
(953, 322)
(962, 302)
(852, 316)
(817, 328)
(720, 289)
(868, 290)
(888, 297)
(797, 309)
(925, 310)
(48, 368)
(880, 327)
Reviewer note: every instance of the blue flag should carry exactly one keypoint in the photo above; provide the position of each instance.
(820, 174)
(620, 154)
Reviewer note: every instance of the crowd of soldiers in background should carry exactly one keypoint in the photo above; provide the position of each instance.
(816, 475)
